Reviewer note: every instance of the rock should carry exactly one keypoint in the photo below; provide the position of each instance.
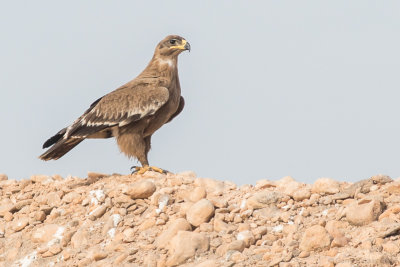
(71, 196)
(288, 186)
(263, 199)
(53, 199)
(218, 202)
(19, 224)
(212, 186)
(237, 245)
(390, 212)
(8, 216)
(236, 257)
(393, 229)
(301, 194)
(325, 186)
(3, 177)
(247, 237)
(97, 197)
(8, 207)
(129, 235)
(264, 183)
(55, 249)
(148, 223)
(262, 230)
(184, 208)
(315, 238)
(140, 190)
(44, 233)
(334, 228)
(172, 229)
(97, 212)
(20, 204)
(345, 264)
(40, 216)
(99, 256)
(391, 247)
(46, 209)
(44, 179)
(304, 254)
(339, 242)
(207, 263)
(185, 245)
(364, 211)
(197, 194)
(200, 212)
(220, 225)
(96, 175)
(80, 240)
(120, 259)
(162, 202)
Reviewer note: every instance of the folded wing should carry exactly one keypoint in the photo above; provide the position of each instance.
(118, 108)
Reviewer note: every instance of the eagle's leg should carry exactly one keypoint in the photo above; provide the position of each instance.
(142, 157)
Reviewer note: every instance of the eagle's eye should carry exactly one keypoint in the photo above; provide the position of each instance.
(172, 41)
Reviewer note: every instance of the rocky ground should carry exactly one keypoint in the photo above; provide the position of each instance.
(178, 219)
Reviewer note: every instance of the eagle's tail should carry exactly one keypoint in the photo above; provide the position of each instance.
(60, 148)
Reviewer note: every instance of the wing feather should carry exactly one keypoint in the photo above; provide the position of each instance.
(119, 108)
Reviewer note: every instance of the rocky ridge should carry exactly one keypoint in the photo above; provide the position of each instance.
(181, 220)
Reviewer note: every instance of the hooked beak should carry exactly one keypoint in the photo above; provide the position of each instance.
(187, 46)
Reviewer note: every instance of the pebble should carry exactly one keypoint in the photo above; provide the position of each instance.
(200, 212)
(364, 211)
(97, 212)
(140, 190)
(171, 230)
(99, 256)
(71, 196)
(197, 194)
(325, 186)
(238, 245)
(44, 233)
(19, 224)
(315, 238)
(263, 199)
(185, 245)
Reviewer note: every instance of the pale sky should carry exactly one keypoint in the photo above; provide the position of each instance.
(308, 89)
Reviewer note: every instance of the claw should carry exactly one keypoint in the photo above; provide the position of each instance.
(134, 169)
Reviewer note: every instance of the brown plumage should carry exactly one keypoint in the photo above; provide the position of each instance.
(133, 112)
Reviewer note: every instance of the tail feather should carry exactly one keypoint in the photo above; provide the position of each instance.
(54, 139)
(60, 148)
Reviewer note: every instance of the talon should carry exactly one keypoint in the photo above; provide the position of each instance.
(134, 169)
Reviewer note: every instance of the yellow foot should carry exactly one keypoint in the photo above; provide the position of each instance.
(141, 170)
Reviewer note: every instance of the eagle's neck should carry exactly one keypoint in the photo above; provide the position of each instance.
(165, 68)
(162, 67)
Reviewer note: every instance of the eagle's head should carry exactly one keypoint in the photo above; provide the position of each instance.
(172, 45)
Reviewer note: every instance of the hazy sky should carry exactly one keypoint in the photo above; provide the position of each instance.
(273, 88)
